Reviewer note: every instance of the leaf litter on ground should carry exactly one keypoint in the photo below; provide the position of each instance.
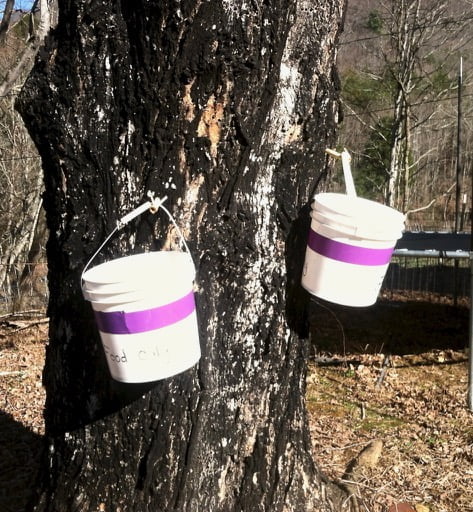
(417, 409)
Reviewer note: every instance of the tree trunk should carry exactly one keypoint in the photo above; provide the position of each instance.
(21, 183)
(226, 109)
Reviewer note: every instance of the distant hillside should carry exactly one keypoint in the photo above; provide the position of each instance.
(370, 67)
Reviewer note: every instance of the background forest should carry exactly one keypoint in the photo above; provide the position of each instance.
(399, 65)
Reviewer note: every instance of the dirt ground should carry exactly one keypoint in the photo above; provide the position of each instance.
(22, 396)
(395, 372)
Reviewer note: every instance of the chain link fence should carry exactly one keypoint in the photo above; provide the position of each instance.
(433, 279)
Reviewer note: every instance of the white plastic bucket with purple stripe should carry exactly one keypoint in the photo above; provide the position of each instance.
(144, 308)
(350, 243)
(145, 312)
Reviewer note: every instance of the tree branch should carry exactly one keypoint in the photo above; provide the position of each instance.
(5, 23)
(47, 9)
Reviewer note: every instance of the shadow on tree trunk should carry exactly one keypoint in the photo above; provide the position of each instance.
(297, 299)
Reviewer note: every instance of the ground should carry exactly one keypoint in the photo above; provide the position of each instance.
(395, 372)
(22, 400)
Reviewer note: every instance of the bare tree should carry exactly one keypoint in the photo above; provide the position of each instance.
(21, 183)
(412, 24)
(407, 74)
(226, 108)
(43, 16)
(6, 19)
(21, 35)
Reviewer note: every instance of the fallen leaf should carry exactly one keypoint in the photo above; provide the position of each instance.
(401, 507)
(422, 508)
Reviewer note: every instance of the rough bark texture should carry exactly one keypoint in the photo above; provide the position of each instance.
(226, 108)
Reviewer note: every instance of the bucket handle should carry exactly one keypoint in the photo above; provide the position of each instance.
(152, 206)
(346, 160)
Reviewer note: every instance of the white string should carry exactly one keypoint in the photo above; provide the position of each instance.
(153, 206)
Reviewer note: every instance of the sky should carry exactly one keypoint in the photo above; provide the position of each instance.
(25, 5)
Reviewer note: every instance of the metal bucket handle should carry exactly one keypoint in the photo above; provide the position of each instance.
(152, 206)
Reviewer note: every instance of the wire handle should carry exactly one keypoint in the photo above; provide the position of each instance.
(152, 206)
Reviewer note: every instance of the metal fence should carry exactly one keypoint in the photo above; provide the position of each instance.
(433, 277)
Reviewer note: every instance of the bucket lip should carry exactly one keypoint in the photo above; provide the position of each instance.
(131, 290)
(345, 203)
(360, 230)
(134, 296)
(92, 276)
(116, 297)
(350, 238)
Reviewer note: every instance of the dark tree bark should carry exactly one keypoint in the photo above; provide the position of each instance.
(226, 108)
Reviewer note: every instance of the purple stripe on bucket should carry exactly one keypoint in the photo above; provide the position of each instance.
(348, 253)
(121, 322)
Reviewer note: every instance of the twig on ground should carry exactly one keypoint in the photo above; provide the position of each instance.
(7, 374)
(384, 368)
(25, 324)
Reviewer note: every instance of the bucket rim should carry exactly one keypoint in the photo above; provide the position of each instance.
(321, 200)
(91, 279)
(134, 296)
(357, 217)
(358, 230)
(116, 298)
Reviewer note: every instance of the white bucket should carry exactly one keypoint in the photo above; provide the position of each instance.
(145, 312)
(350, 243)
